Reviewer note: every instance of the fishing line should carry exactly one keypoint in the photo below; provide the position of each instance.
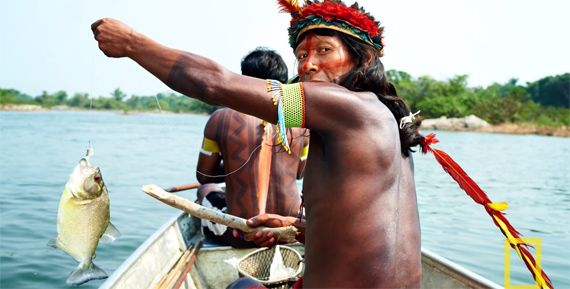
(243, 165)
(162, 114)
(236, 170)
(172, 134)
(197, 171)
(91, 92)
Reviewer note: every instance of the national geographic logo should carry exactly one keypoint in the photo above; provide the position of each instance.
(532, 241)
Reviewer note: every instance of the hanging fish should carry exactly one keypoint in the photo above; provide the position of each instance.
(83, 221)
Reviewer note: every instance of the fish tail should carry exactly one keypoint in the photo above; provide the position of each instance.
(85, 273)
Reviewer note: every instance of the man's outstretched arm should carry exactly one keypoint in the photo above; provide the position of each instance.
(190, 74)
(329, 107)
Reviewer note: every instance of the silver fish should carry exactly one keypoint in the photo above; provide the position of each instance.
(83, 221)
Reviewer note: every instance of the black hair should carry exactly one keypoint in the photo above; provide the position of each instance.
(368, 74)
(264, 63)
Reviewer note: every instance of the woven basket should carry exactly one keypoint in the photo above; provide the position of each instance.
(256, 265)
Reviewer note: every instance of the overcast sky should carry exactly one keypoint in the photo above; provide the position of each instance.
(47, 45)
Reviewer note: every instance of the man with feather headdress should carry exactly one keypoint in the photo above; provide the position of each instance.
(361, 225)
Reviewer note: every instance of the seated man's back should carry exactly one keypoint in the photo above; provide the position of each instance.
(238, 135)
(243, 151)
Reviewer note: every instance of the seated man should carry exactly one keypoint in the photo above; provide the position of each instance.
(237, 149)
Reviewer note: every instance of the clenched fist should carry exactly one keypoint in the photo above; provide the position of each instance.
(115, 38)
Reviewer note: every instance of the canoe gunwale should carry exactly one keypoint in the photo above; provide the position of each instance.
(144, 247)
(437, 269)
(456, 271)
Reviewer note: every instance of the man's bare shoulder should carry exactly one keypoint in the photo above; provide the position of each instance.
(318, 88)
(224, 113)
(330, 106)
(220, 111)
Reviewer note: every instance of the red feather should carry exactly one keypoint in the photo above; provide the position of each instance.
(464, 181)
(477, 194)
(526, 253)
(288, 6)
(329, 10)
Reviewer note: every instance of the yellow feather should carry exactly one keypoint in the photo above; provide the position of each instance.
(498, 206)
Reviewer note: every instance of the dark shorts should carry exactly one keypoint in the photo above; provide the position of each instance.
(217, 233)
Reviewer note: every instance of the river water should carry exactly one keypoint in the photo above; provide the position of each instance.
(38, 151)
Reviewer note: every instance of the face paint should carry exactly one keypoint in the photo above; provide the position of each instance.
(308, 64)
(322, 58)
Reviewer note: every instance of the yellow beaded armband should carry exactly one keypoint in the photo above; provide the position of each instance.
(290, 102)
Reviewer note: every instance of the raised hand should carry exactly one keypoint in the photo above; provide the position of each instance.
(115, 38)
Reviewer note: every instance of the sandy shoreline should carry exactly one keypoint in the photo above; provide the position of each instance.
(518, 129)
(526, 129)
(475, 124)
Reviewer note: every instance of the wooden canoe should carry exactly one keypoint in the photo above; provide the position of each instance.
(179, 242)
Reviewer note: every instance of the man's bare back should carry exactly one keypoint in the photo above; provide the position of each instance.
(239, 135)
(243, 151)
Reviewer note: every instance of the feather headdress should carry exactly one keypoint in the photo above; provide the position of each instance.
(335, 15)
(493, 209)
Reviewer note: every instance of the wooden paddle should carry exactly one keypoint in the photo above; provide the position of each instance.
(285, 234)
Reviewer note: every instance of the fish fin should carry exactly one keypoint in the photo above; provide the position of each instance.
(82, 275)
(110, 235)
(53, 242)
(56, 243)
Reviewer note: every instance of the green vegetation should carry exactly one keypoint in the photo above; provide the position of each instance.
(117, 101)
(545, 102)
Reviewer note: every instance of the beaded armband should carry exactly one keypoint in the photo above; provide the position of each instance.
(290, 102)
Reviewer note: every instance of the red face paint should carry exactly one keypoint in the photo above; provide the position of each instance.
(326, 58)
(308, 64)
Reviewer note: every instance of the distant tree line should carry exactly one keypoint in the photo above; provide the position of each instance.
(118, 100)
(545, 102)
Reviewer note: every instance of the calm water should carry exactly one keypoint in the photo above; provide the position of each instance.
(38, 151)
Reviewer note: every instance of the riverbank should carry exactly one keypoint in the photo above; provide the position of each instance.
(468, 123)
(22, 107)
(527, 129)
(475, 124)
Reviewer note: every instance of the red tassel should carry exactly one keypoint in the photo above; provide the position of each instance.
(526, 253)
(477, 194)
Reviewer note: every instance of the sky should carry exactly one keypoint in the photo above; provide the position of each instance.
(47, 45)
